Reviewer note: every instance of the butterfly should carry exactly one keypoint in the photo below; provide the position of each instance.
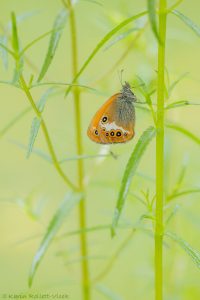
(114, 122)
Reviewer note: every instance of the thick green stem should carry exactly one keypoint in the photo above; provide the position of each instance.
(79, 144)
(160, 154)
(46, 134)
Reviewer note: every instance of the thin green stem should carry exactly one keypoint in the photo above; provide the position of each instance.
(79, 145)
(8, 50)
(46, 134)
(14, 121)
(174, 6)
(113, 259)
(160, 154)
(182, 193)
(37, 40)
(149, 103)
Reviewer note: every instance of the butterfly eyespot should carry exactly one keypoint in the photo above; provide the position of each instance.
(107, 134)
(112, 133)
(104, 119)
(96, 132)
(118, 133)
(125, 133)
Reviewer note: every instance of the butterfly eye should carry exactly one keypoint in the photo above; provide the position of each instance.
(104, 119)
(96, 132)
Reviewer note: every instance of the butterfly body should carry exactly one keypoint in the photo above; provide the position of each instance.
(114, 121)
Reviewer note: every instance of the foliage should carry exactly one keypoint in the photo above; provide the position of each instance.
(158, 201)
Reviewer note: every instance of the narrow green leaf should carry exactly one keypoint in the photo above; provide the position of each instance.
(33, 134)
(193, 253)
(36, 122)
(41, 103)
(151, 4)
(17, 118)
(108, 293)
(145, 176)
(18, 69)
(172, 214)
(36, 151)
(109, 266)
(16, 48)
(94, 2)
(177, 3)
(176, 104)
(53, 43)
(90, 89)
(187, 21)
(26, 16)
(30, 80)
(183, 193)
(181, 103)
(101, 228)
(15, 40)
(142, 87)
(179, 180)
(79, 157)
(130, 171)
(174, 84)
(3, 51)
(21, 18)
(105, 39)
(182, 173)
(146, 93)
(39, 38)
(2, 46)
(67, 205)
(85, 258)
(46, 157)
(85, 230)
(184, 131)
(121, 37)
(16, 85)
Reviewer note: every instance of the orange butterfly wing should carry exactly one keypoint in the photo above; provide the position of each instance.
(104, 128)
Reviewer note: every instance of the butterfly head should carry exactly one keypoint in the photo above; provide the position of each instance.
(126, 93)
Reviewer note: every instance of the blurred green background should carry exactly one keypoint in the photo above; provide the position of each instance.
(31, 190)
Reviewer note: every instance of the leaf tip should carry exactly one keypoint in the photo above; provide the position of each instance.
(30, 281)
(113, 232)
(115, 222)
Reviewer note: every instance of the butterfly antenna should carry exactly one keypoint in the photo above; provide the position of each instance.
(140, 102)
(120, 76)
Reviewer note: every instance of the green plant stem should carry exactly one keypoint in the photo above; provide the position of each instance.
(113, 259)
(174, 6)
(46, 134)
(79, 144)
(160, 154)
